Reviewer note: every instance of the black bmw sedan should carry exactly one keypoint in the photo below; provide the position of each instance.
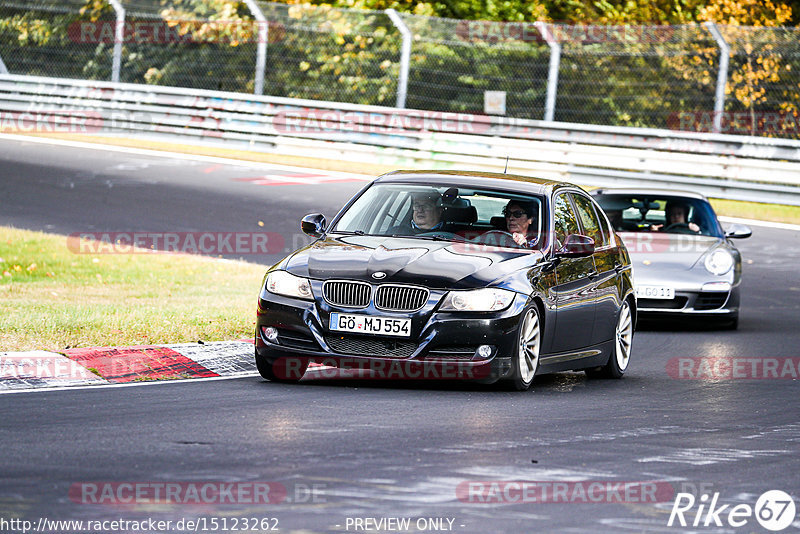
(448, 274)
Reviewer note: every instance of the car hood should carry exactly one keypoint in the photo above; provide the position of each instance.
(435, 264)
(666, 251)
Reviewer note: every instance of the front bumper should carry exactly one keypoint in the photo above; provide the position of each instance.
(441, 344)
(694, 303)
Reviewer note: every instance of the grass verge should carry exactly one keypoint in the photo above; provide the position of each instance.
(762, 212)
(53, 299)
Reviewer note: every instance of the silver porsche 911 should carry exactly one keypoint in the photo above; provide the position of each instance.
(684, 263)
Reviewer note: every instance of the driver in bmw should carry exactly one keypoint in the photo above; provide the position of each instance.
(426, 210)
(676, 213)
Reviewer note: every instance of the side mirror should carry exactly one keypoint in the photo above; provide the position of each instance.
(576, 246)
(313, 224)
(738, 231)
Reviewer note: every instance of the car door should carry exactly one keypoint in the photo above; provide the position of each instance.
(606, 262)
(572, 292)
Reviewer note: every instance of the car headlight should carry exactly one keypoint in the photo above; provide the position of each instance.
(719, 262)
(289, 285)
(478, 300)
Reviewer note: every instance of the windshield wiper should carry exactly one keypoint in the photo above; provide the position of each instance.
(435, 237)
(345, 232)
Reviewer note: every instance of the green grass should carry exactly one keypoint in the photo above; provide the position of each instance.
(53, 299)
(751, 210)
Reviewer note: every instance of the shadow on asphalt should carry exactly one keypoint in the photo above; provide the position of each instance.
(550, 383)
(687, 324)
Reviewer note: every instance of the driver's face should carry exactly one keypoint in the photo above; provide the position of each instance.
(676, 215)
(426, 213)
(517, 220)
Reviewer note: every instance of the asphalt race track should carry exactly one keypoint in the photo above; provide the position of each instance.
(344, 451)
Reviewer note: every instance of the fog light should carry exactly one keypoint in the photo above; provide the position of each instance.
(484, 351)
(270, 333)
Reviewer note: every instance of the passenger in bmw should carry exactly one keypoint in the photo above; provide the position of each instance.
(426, 207)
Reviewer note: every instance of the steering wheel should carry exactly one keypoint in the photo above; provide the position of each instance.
(504, 239)
(679, 228)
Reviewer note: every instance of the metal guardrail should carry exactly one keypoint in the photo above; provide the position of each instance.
(721, 166)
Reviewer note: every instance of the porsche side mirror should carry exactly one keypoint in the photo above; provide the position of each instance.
(738, 231)
(313, 224)
(576, 246)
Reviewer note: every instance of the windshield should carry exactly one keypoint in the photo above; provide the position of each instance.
(444, 212)
(660, 213)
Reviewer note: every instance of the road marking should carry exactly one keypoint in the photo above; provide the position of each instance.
(105, 385)
(291, 179)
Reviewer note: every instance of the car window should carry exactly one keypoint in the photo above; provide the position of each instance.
(589, 222)
(648, 213)
(449, 212)
(564, 220)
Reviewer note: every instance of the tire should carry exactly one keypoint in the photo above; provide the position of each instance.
(525, 360)
(621, 355)
(731, 323)
(280, 371)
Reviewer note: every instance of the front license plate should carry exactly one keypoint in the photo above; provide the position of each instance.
(655, 292)
(363, 324)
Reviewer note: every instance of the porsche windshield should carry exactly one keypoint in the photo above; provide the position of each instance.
(659, 213)
(446, 212)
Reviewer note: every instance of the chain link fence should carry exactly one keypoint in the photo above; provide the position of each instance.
(743, 80)
(37, 38)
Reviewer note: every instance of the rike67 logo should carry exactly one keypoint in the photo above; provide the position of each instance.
(774, 510)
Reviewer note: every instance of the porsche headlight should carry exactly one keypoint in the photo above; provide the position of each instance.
(478, 300)
(289, 285)
(719, 262)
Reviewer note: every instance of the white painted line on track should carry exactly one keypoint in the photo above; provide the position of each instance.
(766, 224)
(129, 384)
(179, 155)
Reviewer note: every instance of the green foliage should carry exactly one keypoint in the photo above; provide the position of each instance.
(320, 50)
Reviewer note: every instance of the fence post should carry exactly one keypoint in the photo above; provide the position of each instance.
(405, 57)
(119, 36)
(722, 75)
(261, 51)
(552, 74)
(3, 68)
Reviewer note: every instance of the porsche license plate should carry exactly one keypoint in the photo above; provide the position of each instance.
(655, 292)
(364, 324)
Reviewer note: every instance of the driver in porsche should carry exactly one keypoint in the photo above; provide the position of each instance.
(677, 214)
